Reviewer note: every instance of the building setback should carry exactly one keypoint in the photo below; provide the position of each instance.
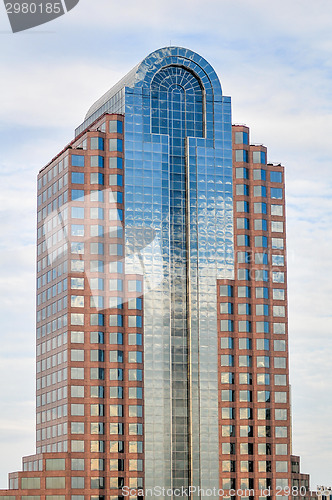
(162, 343)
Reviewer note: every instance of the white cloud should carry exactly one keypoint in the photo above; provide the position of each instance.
(253, 18)
(52, 92)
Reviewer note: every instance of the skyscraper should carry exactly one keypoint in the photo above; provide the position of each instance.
(162, 354)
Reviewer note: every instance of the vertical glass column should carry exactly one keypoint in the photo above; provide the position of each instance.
(178, 160)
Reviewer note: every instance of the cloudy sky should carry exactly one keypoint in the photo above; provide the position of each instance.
(275, 60)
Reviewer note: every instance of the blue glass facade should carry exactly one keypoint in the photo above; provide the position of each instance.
(178, 193)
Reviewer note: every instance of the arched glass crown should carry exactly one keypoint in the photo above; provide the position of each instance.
(144, 75)
(177, 102)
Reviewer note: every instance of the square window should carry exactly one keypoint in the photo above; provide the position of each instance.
(97, 143)
(280, 414)
(277, 227)
(241, 137)
(259, 157)
(281, 466)
(279, 311)
(245, 396)
(77, 229)
(77, 301)
(245, 378)
(263, 396)
(278, 260)
(276, 193)
(262, 344)
(77, 283)
(228, 466)
(77, 194)
(245, 343)
(115, 162)
(261, 258)
(280, 397)
(97, 248)
(244, 326)
(277, 243)
(280, 379)
(276, 177)
(97, 178)
(77, 177)
(279, 328)
(242, 173)
(262, 310)
(226, 360)
(227, 413)
(243, 240)
(242, 223)
(279, 362)
(241, 155)
(96, 213)
(278, 277)
(244, 308)
(261, 275)
(243, 257)
(244, 291)
(115, 180)
(226, 325)
(96, 337)
(263, 414)
(243, 274)
(263, 361)
(242, 189)
(277, 210)
(245, 361)
(224, 290)
(97, 161)
(77, 212)
(261, 241)
(77, 482)
(77, 160)
(77, 464)
(245, 413)
(227, 378)
(260, 208)
(135, 393)
(97, 195)
(226, 343)
(242, 206)
(260, 224)
(115, 145)
(97, 319)
(225, 307)
(260, 191)
(115, 127)
(263, 378)
(97, 428)
(278, 294)
(135, 375)
(280, 345)
(116, 356)
(259, 174)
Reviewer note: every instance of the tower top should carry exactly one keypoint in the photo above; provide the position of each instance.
(142, 74)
